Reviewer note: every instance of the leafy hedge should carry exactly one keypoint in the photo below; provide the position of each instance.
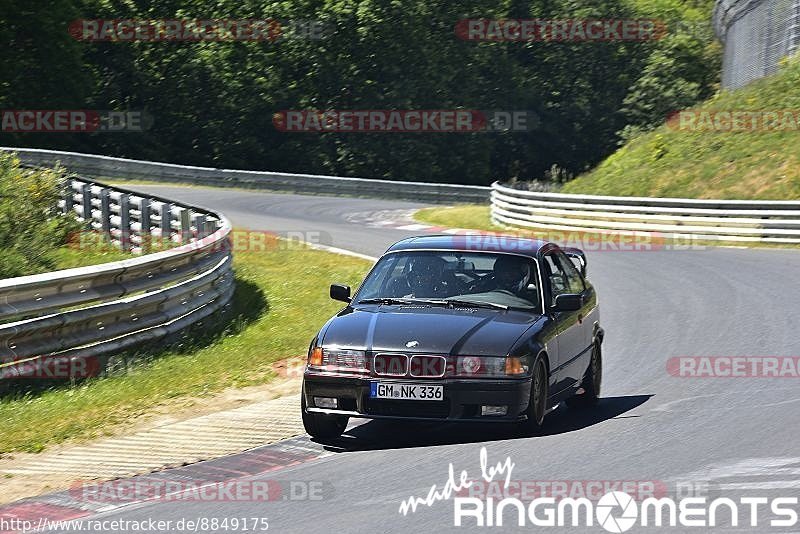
(212, 103)
(31, 227)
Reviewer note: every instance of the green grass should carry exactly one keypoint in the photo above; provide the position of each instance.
(90, 253)
(280, 302)
(679, 163)
(469, 216)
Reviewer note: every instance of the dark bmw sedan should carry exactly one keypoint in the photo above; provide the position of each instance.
(458, 328)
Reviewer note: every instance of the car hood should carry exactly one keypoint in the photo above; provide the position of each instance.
(478, 332)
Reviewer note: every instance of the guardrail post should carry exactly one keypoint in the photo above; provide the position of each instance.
(166, 223)
(125, 222)
(186, 226)
(144, 220)
(200, 224)
(69, 194)
(86, 191)
(105, 211)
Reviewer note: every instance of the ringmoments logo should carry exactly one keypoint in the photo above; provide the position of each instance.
(618, 512)
(616, 501)
(615, 511)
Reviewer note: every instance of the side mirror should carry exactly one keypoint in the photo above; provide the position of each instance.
(578, 258)
(568, 302)
(340, 292)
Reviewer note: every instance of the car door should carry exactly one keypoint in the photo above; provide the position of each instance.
(578, 365)
(571, 337)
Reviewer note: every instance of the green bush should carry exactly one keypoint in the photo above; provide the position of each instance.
(31, 226)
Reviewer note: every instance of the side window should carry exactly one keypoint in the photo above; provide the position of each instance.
(559, 282)
(573, 277)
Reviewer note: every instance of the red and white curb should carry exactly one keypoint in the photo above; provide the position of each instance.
(239, 468)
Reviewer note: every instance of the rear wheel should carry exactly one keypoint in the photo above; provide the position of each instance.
(591, 382)
(537, 407)
(320, 425)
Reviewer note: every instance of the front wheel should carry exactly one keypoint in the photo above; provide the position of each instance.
(537, 407)
(320, 425)
(591, 382)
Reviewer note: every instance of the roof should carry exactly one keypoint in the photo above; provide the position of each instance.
(472, 243)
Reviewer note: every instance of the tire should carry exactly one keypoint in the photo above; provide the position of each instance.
(537, 406)
(322, 426)
(591, 382)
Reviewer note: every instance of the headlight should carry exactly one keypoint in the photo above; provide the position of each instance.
(337, 360)
(490, 366)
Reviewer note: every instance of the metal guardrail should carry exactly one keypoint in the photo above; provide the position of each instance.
(103, 167)
(715, 220)
(99, 310)
(757, 34)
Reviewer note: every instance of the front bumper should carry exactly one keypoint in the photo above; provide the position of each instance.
(462, 400)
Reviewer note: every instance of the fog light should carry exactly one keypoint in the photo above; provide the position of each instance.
(494, 410)
(326, 402)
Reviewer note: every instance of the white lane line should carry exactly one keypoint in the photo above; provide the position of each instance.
(341, 251)
(781, 403)
(763, 474)
(666, 407)
(771, 484)
(414, 227)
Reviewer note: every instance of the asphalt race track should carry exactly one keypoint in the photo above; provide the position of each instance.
(734, 434)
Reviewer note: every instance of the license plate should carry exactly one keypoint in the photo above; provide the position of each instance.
(386, 390)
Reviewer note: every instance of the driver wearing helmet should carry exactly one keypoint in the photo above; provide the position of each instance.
(511, 273)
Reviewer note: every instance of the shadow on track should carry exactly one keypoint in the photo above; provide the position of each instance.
(389, 434)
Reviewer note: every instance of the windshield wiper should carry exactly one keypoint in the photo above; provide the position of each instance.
(475, 304)
(393, 301)
(449, 303)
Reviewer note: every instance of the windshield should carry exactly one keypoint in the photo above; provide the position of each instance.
(462, 277)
